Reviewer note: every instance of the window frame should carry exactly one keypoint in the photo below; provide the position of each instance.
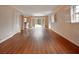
(74, 19)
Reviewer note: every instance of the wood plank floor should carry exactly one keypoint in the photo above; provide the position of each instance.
(37, 41)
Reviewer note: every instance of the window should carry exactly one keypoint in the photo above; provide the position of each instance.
(38, 20)
(75, 14)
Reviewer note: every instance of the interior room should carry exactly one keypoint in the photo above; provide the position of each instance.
(39, 29)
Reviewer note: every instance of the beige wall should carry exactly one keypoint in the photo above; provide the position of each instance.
(22, 22)
(46, 21)
(9, 22)
(63, 27)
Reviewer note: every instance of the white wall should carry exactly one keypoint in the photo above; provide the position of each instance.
(9, 22)
(63, 27)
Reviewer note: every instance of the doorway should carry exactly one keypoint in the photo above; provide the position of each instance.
(38, 21)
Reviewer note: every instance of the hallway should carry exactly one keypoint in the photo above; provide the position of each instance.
(37, 41)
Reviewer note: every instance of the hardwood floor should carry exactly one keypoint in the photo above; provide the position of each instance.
(37, 41)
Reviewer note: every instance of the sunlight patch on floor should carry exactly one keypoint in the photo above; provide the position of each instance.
(38, 32)
(38, 26)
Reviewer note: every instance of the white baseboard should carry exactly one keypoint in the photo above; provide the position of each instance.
(7, 37)
(66, 38)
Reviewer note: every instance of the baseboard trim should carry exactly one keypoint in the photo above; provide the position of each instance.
(7, 37)
(66, 38)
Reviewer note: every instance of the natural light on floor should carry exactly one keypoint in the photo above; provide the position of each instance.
(38, 26)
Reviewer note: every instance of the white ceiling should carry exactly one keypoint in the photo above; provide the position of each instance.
(36, 10)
